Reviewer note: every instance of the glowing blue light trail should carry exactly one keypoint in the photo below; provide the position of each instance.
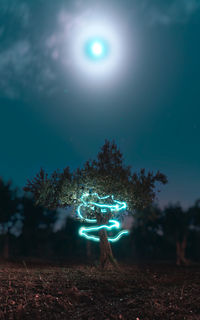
(104, 208)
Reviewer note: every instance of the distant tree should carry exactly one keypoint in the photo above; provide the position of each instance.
(37, 227)
(106, 175)
(147, 234)
(194, 214)
(66, 244)
(9, 213)
(175, 224)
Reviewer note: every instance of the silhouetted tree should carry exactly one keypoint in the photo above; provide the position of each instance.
(9, 213)
(147, 235)
(107, 175)
(175, 225)
(194, 214)
(66, 244)
(37, 227)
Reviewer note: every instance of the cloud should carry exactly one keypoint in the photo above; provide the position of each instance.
(17, 56)
(18, 9)
(25, 64)
(23, 68)
(168, 13)
(13, 63)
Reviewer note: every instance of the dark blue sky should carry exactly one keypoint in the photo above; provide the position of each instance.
(52, 116)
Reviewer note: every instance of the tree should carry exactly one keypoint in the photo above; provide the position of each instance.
(194, 214)
(106, 175)
(147, 233)
(9, 213)
(66, 244)
(175, 225)
(37, 227)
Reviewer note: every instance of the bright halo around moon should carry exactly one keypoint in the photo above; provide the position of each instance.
(97, 51)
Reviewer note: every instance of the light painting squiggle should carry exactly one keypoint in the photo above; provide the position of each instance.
(104, 208)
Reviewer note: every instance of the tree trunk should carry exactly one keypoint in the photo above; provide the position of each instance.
(88, 250)
(107, 259)
(180, 252)
(6, 247)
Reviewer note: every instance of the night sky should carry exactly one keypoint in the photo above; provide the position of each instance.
(54, 114)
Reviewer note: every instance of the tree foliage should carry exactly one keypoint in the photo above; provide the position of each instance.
(105, 175)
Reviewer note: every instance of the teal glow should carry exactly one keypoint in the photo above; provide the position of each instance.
(104, 207)
(96, 49)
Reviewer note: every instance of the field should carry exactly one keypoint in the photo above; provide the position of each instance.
(139, 292)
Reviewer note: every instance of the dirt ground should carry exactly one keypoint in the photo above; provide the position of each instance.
(79, 292)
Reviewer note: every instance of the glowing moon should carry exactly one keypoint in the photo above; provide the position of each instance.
(96, 49)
